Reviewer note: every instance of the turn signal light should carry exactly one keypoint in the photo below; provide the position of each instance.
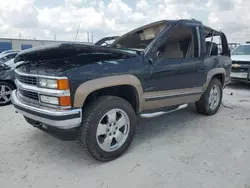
(64, 101)
(63, 84)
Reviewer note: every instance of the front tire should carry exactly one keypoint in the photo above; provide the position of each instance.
(107, 128)
(210, 101)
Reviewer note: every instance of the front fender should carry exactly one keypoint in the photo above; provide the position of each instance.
(90, 86)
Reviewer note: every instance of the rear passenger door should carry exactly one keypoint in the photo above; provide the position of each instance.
(177, 69)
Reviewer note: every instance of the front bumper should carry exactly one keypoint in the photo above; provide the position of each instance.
(240, 76)
(240, 72)
(58, 118)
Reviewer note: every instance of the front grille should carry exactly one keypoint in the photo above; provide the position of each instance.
(241, 62)
(29, 94)
(31, 80)
(241, 69)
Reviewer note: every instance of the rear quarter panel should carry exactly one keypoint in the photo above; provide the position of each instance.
(218, 65)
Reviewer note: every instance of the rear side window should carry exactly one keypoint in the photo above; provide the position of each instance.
(216, 44)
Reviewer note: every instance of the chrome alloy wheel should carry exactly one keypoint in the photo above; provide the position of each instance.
(214, 97)
(5, 93)
(113, 130)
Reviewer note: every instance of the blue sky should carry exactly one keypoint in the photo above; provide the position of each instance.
(48, 3)
(42, 19)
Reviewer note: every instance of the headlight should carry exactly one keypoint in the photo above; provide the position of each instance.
(61, 84)
(48, 83)
(49, 99)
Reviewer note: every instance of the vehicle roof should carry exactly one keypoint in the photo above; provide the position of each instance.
(180, 21)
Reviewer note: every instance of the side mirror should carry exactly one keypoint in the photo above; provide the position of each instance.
(140, 53)
(156, 56)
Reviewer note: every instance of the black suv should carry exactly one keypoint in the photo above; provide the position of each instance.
(99, 91)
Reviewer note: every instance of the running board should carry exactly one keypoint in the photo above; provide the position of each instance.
(155, 114)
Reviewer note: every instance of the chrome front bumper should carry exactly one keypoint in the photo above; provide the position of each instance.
(243, 75)
(59, 118)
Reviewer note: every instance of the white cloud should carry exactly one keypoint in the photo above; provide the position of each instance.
(142, 5)
(233, 19)
(23, 17)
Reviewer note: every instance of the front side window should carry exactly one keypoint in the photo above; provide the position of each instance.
(181, 42)
(241, 50)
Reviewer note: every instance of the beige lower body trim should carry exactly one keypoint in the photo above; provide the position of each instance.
(170, 102)
(171, 97)
(173, 92)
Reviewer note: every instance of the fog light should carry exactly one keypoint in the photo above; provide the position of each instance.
(49, 99)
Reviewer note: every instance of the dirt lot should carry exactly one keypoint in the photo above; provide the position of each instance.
(182, 149)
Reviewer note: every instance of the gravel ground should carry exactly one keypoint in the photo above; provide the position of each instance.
(182, 149)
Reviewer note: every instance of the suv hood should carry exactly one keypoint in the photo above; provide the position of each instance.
(68, 50)
(56, 59)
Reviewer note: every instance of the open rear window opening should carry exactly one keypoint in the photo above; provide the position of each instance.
(216, 43)
(140, 38)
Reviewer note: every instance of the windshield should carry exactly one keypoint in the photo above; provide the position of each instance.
(241, 50)
(140, 38)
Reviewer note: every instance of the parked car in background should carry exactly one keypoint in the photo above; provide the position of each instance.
(98, 91)
(9, 51)
(7, 56)
(241, 63)
(7, 84)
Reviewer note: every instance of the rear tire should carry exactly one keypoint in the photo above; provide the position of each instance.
(108, 128)
(205, 104)
(5, 92)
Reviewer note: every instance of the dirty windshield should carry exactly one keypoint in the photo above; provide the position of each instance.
(242, 50)
(139, 39)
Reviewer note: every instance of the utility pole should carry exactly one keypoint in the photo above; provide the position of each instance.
(92, 37)
(77, 32)
(54, 36)
(88, 36)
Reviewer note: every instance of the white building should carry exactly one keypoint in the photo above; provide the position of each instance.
(22, 44)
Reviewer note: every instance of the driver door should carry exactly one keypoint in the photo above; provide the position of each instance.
(177, 71)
